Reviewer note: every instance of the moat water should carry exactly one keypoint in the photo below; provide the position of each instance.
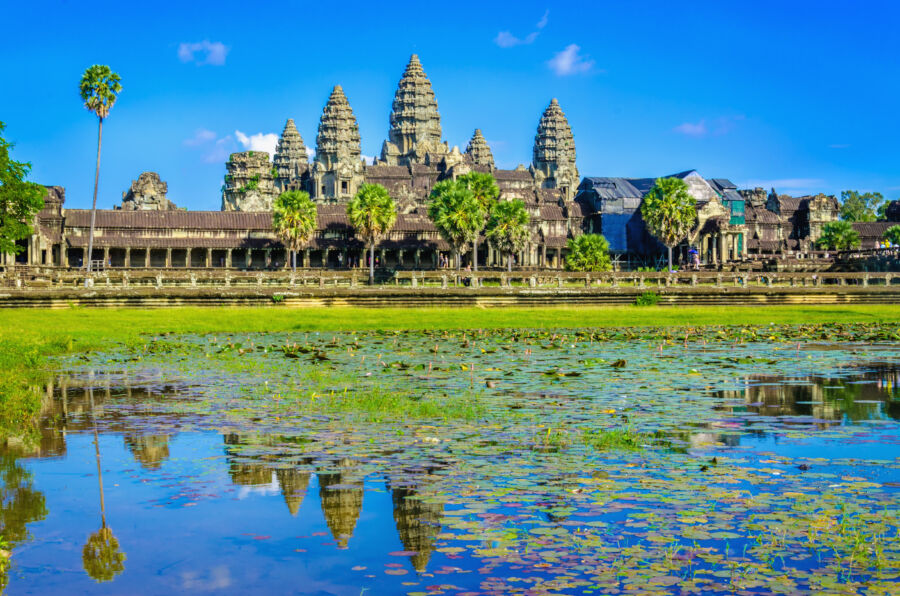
(778, 471)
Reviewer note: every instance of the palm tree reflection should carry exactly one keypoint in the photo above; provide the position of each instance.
(101, 557)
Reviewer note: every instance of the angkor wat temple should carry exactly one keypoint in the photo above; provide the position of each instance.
(148, 230)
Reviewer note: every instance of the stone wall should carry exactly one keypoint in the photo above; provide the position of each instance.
(249, 182)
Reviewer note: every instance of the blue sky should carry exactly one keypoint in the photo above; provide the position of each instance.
(803, 96)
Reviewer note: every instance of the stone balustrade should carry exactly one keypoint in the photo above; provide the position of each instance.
(536, 280)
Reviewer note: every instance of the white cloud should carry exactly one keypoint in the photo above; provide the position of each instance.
(201, 137)
(368, 159)
(506, 39)
(570, 61)
(203, 52)
(220, 150)
(215, 149)
(716, 126)
(310, 152)
(692, 129)
(261, 141)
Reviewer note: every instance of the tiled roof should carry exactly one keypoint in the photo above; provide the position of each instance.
(552, 213)
(872, 229)
(512, 175)
(761, 215)
(167, 220)
(381, 171)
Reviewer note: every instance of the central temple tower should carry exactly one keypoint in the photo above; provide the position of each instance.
(415, 134)
(553, 162)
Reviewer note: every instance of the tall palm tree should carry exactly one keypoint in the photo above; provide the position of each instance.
(456, 214)
(294, 221)
(99, 90)
(373, 213)
(486, 192)
(669, 211)
(507, 229)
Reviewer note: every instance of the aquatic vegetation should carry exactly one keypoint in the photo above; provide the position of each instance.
(723, 459)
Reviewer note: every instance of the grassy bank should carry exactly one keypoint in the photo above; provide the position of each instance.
(28, 336)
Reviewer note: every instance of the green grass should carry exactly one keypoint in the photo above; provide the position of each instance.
(618, 439)
(28, 336)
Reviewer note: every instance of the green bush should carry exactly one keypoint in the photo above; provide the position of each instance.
(277, 298)
(647, 299)
(588, 252)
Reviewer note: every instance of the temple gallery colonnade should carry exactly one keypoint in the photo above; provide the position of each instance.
(137, 257)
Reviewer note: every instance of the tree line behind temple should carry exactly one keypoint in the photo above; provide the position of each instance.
(461, 210)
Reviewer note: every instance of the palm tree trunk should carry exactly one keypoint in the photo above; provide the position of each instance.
(458, 257)
(509, 259)
(293, 261)
(475, 254)
(94, 204)
(372, 265)
(670, 258)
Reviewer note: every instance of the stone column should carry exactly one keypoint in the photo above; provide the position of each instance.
(147, 258)
(228, 258)
(63, 254)
(383, 254)
(128, 257)
(715, 258)
(168, 258)
(187, 258)
(268, 258)
(325, 258)
(105, 256)
(723, 248)
(305, 257)
(208, 258)
(400, 257)
(418, 257)
(248, 258)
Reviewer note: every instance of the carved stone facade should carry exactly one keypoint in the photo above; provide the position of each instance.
(249, 182)
(147, 193)
(338, 170)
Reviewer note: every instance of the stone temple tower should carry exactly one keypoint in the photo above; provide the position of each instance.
(479, 152)
(291, 160)
(553, 165)
(338, 170)
(290, 152)
(415, 122)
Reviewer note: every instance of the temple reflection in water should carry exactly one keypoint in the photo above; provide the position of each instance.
(144, 413)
